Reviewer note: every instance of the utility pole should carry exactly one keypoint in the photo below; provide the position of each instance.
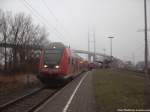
(133, 58)
(5, 67)
(88, 45)
(94, 46)
(104, 52)
(146, 44)
(88, 41)
(94, 43)
(111, 46)
(103, 65)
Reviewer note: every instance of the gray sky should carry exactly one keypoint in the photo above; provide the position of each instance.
(72, 18)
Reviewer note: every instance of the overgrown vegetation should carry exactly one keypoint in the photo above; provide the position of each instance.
(121, 90)
(19, 30)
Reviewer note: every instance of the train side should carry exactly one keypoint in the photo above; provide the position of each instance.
(59, 63)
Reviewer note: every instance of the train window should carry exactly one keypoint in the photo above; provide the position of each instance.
(72, 62)
(69, 60)
(53, 56)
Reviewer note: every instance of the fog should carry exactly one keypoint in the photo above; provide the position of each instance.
(68, 21)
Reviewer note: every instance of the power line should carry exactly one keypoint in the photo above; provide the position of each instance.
(35, 14)
(41, 17)
(51, 13)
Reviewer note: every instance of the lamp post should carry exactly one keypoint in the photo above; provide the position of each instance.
(111, 46)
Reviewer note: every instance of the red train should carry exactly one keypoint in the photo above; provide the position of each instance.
(59, 63)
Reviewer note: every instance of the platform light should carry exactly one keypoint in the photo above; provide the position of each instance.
(45, 66)
(57, 66)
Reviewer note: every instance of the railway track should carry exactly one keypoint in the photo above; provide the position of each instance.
(29, 102)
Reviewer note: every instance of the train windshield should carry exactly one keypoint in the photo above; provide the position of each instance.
(52, 56)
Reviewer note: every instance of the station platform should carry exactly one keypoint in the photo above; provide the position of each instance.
(77, 96)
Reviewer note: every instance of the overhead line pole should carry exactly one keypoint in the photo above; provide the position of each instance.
(88, 44)
(146, 44)
(94, 46)
(94, 43)
(88, 41)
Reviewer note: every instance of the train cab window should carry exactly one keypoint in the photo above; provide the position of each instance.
(52, 56)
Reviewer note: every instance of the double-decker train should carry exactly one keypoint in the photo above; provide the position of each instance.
(59, 63)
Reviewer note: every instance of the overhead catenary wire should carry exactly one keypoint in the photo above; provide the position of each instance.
(45, 20)
(42, 19)
(49, 10)
(51, 13)
(34, 14)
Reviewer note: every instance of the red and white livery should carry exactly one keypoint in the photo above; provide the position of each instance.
(58, 63)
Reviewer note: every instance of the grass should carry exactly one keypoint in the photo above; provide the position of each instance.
(120, 90)
(15, 78)
(16, 81)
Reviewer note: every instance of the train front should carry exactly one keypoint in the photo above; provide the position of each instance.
(50, 67)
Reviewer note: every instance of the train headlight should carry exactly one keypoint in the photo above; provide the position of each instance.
(56, 66)
(81, 62)
(54, 47)
(45, 66)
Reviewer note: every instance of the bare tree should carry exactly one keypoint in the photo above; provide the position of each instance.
(19, 30)
(21, 26)
(5, 19)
